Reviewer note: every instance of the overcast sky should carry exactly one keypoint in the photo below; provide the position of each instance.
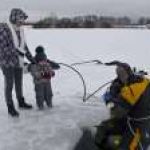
(40, 8)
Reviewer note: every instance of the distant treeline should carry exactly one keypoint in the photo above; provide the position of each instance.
(89, 21)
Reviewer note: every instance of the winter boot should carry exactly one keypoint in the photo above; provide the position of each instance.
(24, 105)
(12, 111)
(49, 103)
(40, 105)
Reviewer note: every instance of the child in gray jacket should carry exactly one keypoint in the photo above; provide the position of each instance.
(42, 71)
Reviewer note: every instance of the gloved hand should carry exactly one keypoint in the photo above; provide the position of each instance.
(52, 73)
(33, 61)
(107, 97)
(20, 53)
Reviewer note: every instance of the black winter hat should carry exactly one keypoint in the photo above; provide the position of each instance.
(39, 49)
(17, 14)
(40, 54)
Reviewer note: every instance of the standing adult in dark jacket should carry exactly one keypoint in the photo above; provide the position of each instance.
(12, 51)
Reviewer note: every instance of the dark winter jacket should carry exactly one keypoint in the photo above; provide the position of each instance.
(132, 98)
(43, 69)
(131, 105)
(8, 52)
(42, 72)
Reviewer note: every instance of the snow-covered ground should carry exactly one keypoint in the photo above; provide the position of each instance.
(60, 128)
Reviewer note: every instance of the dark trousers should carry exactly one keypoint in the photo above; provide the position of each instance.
(43, 93)
(13, 75)
(128, 139)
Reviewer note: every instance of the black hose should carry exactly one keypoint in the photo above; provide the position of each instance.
(80, 76)
(102, 86)
(87, 62)
(85, 97)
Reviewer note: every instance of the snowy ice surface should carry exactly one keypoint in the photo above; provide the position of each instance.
(60, 127)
